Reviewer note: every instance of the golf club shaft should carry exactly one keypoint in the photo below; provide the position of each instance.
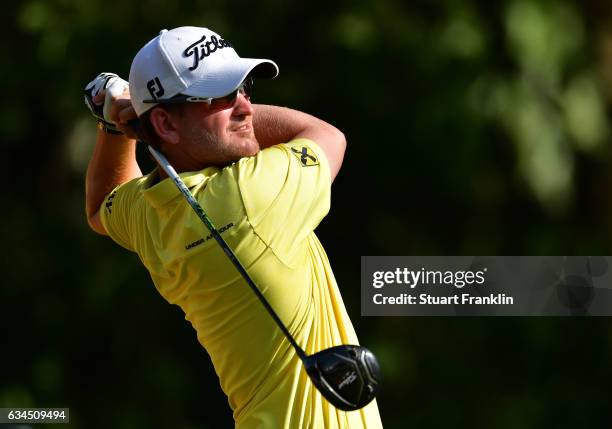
(163, 162)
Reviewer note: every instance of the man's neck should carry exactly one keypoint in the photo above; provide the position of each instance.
(180, 162)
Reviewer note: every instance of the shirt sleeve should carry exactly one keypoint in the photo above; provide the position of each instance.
(286, 193)
(119, 212)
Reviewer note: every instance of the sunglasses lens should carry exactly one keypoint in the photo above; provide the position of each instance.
(245, 88)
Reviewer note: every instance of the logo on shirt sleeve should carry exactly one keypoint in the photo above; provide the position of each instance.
(109, 202)
(306, 156)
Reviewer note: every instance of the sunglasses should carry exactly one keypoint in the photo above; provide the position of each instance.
(245, 88)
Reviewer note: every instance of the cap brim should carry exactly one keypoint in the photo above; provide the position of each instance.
(226, 77)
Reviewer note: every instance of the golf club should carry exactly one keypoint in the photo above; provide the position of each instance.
(348, 376)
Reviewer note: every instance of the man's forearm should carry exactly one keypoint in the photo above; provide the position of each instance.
(113, 163)
(274, 124)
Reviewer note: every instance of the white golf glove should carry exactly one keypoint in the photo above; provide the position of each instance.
(114, 86)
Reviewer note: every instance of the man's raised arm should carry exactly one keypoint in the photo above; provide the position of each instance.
(274, 125)
(114, 158)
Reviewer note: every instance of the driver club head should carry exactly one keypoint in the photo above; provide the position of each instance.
(347, 376)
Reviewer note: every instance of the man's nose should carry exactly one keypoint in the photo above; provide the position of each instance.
(242, 105)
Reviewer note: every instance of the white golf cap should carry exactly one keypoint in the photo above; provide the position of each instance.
(193, 61)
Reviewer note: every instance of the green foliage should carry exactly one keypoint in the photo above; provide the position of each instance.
(474, 128)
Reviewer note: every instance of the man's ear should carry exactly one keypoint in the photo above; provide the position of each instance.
(165, 125)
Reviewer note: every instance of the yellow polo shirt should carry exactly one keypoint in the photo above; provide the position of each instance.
(266, 208)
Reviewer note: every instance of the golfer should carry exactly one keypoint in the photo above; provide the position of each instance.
(263, 174)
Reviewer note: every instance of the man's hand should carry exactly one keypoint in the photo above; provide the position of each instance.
(108, 99)
(114, 158)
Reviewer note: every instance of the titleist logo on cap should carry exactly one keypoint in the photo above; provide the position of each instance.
(200, 49)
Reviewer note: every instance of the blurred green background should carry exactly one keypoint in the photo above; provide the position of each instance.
(474, 128)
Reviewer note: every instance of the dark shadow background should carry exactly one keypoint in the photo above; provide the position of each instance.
(474, 128)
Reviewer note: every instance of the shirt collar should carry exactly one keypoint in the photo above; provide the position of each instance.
(162, 192)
